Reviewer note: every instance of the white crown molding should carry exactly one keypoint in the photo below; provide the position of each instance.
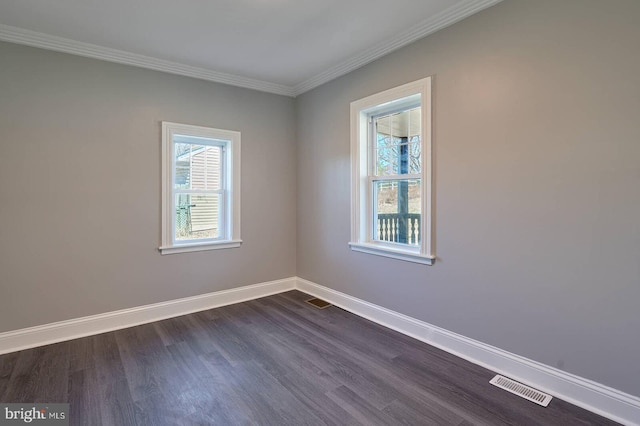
(598, 398)
(61, 331)
(435, 23)
(441, 20)
(65, 45)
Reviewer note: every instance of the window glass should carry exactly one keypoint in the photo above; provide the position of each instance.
(201, 197)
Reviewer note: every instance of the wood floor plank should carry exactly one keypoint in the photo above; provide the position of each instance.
(160, 408)
(248, 342)
(297, 363)
(226, 388)
(359, 408)
(330, 355)
(7, 364)
(116, 404)
(313, 397)
(81, 353)
(271, 361)
(346, 331)
(405, 388)
(171, 331)
(149, 365)
(40, 375)
(268, 401)
(105, 358)
(83, 399)
(198, 337)
(489, 403)
(210, 408)
(272, 355)
(405, 414)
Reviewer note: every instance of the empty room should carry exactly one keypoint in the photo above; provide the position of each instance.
(278, 212)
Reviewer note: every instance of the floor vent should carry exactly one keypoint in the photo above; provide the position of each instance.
(519, 389)
(318, 303)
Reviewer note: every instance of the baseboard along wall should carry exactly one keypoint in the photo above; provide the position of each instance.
(590, 395)
(598, 398)
(96, 324)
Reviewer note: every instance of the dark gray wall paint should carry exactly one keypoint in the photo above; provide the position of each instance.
(537, 185)
(80, 186)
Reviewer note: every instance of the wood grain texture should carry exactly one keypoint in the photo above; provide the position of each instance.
(271, 361)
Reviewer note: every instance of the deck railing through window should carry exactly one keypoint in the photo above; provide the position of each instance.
(399, 228)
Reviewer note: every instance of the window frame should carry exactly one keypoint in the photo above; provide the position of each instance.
(363, 175)
(229, 216)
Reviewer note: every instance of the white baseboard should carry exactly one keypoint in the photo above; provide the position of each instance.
(595, 397)
(608, 402)
(95, 324)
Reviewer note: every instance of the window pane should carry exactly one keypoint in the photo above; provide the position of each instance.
(414, 151)
(197, 166)
(397, 143)
(398, 159)
(397, 211)
(198, 216)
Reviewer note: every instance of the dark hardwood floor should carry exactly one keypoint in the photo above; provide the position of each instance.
(272, 361)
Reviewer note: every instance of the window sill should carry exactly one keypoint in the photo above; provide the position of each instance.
(394, 253)
(186, 248)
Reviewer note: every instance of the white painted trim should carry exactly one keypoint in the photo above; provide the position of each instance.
(434, 23)
(409, 256)
(592, 396)
(188, 248)
(95, 324)
(65, 45)
(362, 166)
(230, 215)
(608, 402)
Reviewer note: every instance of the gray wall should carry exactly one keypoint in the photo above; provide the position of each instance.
(80, 186)
(537, 185)
(537, 177)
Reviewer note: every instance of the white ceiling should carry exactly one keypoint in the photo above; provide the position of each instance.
(280, 46)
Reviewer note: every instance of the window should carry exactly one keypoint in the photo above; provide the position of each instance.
(200, 188)
(391, 173)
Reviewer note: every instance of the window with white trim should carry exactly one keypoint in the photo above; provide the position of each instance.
(391, 173)
(200, 188)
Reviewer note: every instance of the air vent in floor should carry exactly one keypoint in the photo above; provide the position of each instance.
(318, 303)
(519, 389)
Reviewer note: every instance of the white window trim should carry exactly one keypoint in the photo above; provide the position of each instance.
(232, 190)
(361, 204)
